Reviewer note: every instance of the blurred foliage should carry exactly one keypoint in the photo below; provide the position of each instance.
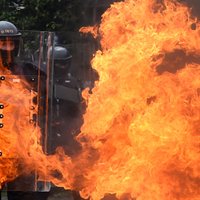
(51, 15)
(61, 15)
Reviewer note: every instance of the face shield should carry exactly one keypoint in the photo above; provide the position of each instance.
(62, 62)
(7, 45)
(61, 68)
(10, 44)
(9, 50)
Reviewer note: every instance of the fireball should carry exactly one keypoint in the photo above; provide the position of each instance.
(143, 117)
(141, 133)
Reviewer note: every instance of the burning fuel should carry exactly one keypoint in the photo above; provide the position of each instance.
(141, 132)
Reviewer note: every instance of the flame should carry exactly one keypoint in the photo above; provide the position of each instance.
(20, 140)
(143, 117)
(140, 138)
(90, 29)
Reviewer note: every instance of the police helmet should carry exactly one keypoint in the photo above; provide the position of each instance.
(60, 53)
(7, 29)
(62, 61)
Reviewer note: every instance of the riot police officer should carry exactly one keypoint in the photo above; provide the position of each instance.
(67, 101)
(68, 108)
(9, 47)
(10, 39)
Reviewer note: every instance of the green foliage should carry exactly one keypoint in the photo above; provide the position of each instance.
(51, 15)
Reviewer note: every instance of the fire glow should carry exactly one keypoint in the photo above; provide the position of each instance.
(141, 133)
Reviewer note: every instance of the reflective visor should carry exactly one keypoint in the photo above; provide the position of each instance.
(9, 43)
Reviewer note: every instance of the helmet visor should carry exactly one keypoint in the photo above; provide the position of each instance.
(61, 68)
(9, 43)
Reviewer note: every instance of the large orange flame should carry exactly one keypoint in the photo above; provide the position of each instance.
(141, 133)
(144, 114)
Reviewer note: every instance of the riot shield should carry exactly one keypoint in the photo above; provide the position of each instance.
(48, 86)
(27, 80)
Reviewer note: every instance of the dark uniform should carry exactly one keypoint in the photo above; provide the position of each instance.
(67, 103)
(10, 39)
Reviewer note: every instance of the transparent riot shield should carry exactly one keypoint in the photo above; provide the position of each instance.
(27, 79)
(54, 69)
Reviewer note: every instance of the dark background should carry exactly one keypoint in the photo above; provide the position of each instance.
(53, 15)
(61, 15)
